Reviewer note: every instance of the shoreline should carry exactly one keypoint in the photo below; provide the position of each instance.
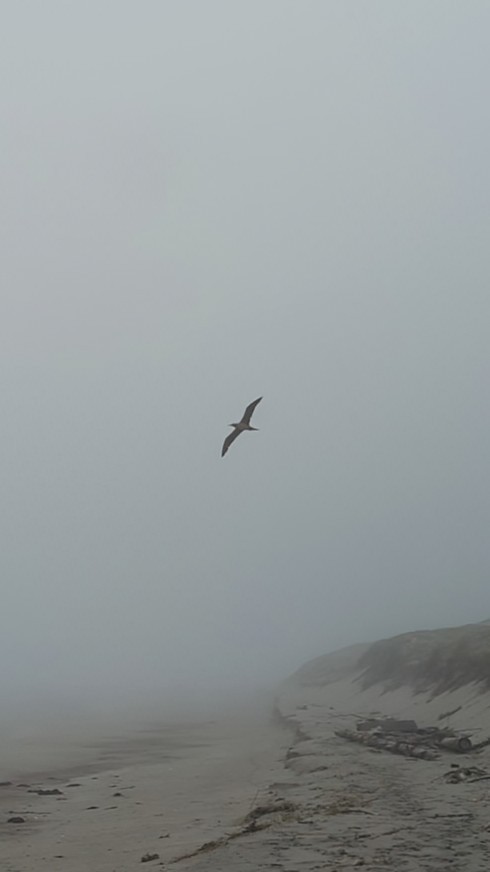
(269, 788)
(160, 790)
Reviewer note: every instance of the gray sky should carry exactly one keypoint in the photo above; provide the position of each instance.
(208, 200)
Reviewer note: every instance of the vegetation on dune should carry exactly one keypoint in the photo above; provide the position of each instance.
(430, 661)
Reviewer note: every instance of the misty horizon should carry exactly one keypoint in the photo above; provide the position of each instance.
(204, 204)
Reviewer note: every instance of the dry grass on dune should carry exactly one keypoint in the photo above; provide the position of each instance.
(430, 661)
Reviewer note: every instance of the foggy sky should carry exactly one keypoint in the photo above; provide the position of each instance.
(205, 202)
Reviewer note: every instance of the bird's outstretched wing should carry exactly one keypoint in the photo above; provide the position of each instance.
(249, 411)
(229, 439)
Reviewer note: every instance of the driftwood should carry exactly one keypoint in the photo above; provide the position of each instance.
(459, 773)
(480, 745)
(459, 744)
(385, 742)
(433, 737)
(388, 725)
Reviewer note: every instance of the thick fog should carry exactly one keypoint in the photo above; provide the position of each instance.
(204, 203)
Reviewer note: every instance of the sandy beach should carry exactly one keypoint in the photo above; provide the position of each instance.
(272, 786)
(346, 806)
(160, 790)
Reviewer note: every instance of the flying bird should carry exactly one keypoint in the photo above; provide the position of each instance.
(242, 425)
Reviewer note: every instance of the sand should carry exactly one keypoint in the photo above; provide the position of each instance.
(242, 793)
(160, 790)
(343, 806)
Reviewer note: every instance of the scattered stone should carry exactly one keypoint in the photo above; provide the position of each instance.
(16, 820)
(91, 807)
(46, 792)
(118, 793)
(75, 784)
(147, 858)
(5, 783)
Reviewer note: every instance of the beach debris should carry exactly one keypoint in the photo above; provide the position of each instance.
(430, 737)
(46, 791)
(460, 744)
(457, 774)
(390, 743)
(147, 858)
(483, 744)
(387, 725)
(342, 805)
(270, 808)
(252, 824)
(212, 845)
(16, 820)
(444, 715)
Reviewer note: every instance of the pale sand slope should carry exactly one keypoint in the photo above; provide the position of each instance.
(354, 807)
(180, 786)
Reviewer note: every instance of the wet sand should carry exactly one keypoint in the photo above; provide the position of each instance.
(245, 792)
(161, 790)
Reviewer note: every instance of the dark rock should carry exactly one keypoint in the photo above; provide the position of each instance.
(47, 791)
(5, 783)
(16, 820)
(117, 793)
(75, 784)
(147, 858)
(91, 807)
